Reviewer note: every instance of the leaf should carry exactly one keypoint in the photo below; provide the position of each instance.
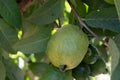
(10, 11)
(34, 39)
(35, 5)
(12, 70)
(48, 72)
(95, 4)
(115, 53)
(38, 68)
(81, 8)
(103, 32)
(105, 18)
(48, 13)
(117, 40)
(2, 71)
(8, 36)
(39, 56)
(117, 2)
(1, 54)
(54, 73)
(103, 52)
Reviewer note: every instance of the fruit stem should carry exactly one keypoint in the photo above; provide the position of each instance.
(84, 25)
(63, 68)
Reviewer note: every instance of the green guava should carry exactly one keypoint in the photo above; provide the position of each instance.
(67, 47)
(98, 67)
(91, 55)
(81, 72)
(109, 1)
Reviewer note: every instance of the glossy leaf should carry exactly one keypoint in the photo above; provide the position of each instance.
(101, 19)
(2, 71)
(48, 13)
(8, 36)
(12, 70)
(117, 2)
(10, 11)
(35, 39)
(115, 53)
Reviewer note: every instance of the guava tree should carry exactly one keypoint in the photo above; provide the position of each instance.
(59, 39)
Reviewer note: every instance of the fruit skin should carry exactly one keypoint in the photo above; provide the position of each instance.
(81, 72)
(91, 55)
(98, 67)
(109, 1)
(67, 47)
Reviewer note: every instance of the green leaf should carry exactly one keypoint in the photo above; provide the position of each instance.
(117, 4)
(13, 72)
(8, 36)
(2, 71)
(54, 73)
(39, 56)
(35, 5)
(117, 40)
(103, 32)
(105, 18)
(9, 10)
(103, 52)
(35, 38)
(48, 13)
(1, 54)
(95, 4)
(115, 53)
(81, 8)
(38, 68)
(49, 72)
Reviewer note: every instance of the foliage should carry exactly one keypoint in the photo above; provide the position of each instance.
(26, 26)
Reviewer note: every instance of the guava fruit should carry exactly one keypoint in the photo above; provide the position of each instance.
(67, 47)
(98, 67)
(91, 55)
(109, 1)
(81, 72)
(53, 73)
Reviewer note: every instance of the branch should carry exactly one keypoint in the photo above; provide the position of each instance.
(84, 25)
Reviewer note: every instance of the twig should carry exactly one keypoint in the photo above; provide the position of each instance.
(84, 25)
